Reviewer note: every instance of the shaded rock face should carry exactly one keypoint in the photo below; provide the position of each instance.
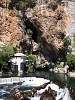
(51, 22)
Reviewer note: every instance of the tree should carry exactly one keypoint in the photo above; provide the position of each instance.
(6, 52)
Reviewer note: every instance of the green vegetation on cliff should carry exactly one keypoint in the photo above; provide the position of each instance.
(70, 60)
(21, 4)
(6, 52)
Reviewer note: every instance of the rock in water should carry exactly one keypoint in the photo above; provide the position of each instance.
(47, 96)
(18, 95)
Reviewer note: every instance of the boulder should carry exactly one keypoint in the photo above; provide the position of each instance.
(47, 96)
(18, 95)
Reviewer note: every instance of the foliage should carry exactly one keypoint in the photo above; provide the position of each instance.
(22, 5)
(60, 65)
(69, 50)
(74, 38)
(32, 58)
(70, 60)
(29, 32)
(31, 3)
(30, 64)
(6, 52)
(67, 41)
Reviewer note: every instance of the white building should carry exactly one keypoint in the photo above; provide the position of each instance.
(18, 62)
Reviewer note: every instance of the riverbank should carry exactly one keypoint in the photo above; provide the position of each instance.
(61, 71)
(55, 70)
(72, 74)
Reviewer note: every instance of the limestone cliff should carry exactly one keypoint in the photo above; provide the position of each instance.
(71, 27)
(50, 21)
(11, 27)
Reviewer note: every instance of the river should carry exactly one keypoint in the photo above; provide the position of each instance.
(60, 79)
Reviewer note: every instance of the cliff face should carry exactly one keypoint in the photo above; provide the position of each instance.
(11, 31)
(51, 22)
(71, 27)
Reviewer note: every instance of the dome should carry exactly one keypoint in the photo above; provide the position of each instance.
(19, 54)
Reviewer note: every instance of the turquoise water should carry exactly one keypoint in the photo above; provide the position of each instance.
(66, 80)
(60, 79)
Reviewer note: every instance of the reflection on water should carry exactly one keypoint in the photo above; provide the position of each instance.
(63, 78)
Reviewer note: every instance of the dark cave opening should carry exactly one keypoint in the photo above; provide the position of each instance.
(30, 25)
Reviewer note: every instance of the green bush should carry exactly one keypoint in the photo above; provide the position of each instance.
(31, 3)
(67, 41)
(32, 58)
(70, 60)
(31, 63)
(6, 52)
(22, 5)
(29, 32)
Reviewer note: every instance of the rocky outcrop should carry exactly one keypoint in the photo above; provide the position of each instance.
(51, 22)
(46, 95)
(71, 27)
(11, 28)
(18, 95)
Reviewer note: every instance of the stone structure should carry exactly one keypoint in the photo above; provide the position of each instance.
(18, 62)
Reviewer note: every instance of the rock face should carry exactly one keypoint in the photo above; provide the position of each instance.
(51, 22)
(47, 96)
(11, 28)
(19, 95)
(71, 27)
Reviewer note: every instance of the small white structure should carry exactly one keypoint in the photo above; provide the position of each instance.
(18, 62)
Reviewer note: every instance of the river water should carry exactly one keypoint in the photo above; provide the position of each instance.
(60, 79)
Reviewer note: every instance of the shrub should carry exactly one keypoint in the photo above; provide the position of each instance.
(22, 5)
(32, 58)
(29, 32)
(31, 63)
(67, 41)
(31, 3)
(70, 60)
(6, 52)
